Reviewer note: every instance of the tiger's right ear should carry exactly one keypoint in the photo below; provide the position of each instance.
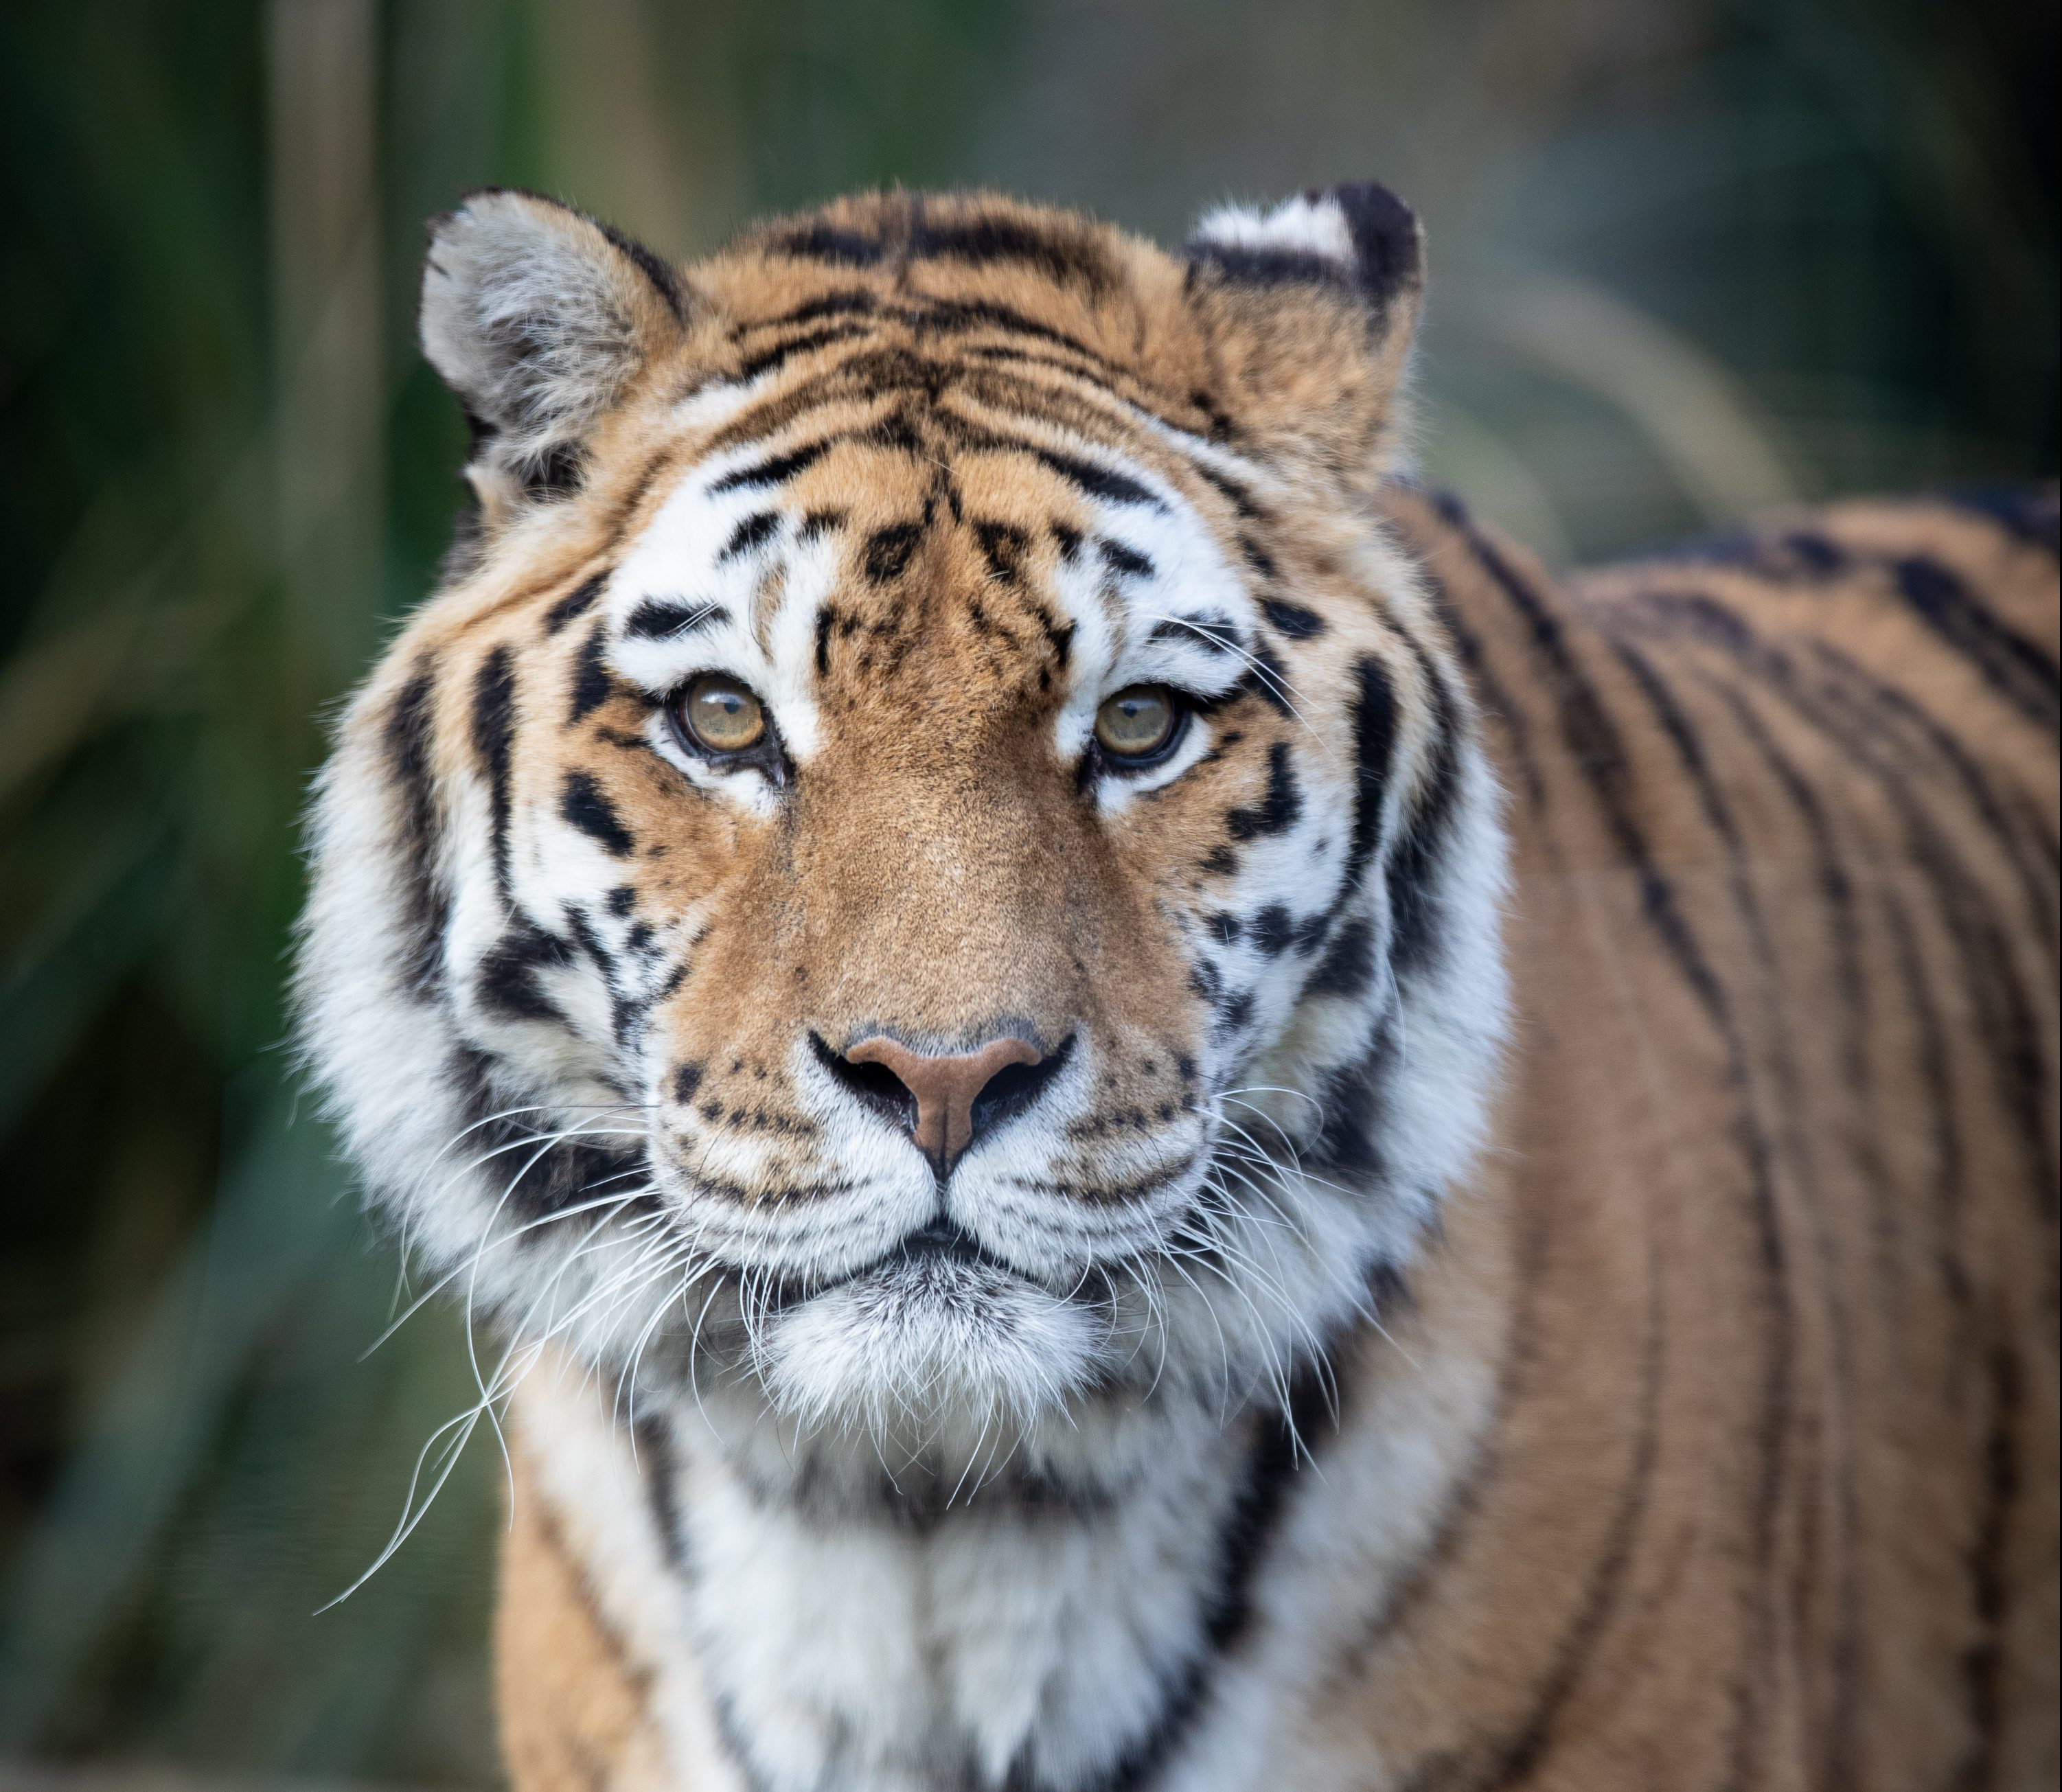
(539, 319)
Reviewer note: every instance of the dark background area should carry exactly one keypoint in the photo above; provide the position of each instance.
(1689, 257)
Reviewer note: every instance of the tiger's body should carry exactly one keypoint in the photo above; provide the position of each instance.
(1319, 1379)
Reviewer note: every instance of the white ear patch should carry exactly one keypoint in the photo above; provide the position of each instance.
(1299, 226)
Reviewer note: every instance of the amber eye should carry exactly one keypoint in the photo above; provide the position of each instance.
(1137, 723)
(720, 716)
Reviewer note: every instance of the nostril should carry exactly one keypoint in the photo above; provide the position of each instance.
(1015, 1087)
(873, 1084)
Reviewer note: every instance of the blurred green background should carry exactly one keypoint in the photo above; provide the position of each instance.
(1689, 257)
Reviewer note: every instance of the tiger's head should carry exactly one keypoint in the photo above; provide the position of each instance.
(928, 866)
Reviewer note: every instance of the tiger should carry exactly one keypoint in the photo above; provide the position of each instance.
(1128, 1110)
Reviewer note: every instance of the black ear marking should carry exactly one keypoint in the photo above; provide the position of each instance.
(1386, 239)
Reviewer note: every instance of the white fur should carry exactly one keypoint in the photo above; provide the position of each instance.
(1298, 226)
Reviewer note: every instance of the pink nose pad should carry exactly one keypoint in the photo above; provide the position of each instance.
(945, 1088)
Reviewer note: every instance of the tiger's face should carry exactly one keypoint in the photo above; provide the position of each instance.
(929, 865)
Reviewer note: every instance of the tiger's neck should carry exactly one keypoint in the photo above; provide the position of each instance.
(1146, 1626)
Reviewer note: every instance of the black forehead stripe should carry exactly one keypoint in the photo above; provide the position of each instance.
(1214, 634)
(583, 805)
(1063, 257)
(854, 302)
(1257, 557)
(752, 531)
(778, 470)
(819, 242)
(1292, 620)
(576, 604)
(1098, 482)
(752, 365)
(664, 620)
(820, 522)
(1127, 562)
(1003, 546)
(958, 316)
(887, 551)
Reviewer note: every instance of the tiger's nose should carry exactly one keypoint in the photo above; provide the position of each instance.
(944, 1101)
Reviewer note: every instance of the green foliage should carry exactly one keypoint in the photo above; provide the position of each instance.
(1685, 257)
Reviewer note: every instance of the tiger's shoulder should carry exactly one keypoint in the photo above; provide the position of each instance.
(1909, 638)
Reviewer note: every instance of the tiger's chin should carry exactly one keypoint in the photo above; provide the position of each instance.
(925, 1345)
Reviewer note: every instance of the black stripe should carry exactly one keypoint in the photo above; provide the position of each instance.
(1279, 809)
(426, 907)
(1126, 563)
(539, 1181)
(887, 551)
(506, 979)
(1490, 696)
(1347, 969)
(778, 470)
(2007, 1029)
(1983, 796)
(1292, 620)
(1283, 1441)
(1063, 256)
(663, 280)
(2026, 514)
(493, 731)
(1374, 747)
(1929, 1034)
(1983, 1663)
(1214, 634)
(1599, 756)
(752, 531)
(592, 685)
(1799, 1139)
(1514, 1759)
(2011, 665)
(1416, 867)
(1353, 1107)
(1098, 482)
(576, 605)
(780, 353)
(1003, 546)
(668, 618)
(814, 240)
(583, 805)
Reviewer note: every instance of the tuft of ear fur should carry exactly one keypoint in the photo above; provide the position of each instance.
(539, 319)
(1309, 309)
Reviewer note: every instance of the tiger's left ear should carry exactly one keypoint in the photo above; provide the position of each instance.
(1308, 310)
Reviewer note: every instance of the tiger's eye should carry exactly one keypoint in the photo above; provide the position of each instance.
(721, 715)
(1137, 723)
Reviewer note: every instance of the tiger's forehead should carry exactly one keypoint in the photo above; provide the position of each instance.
(896, 544)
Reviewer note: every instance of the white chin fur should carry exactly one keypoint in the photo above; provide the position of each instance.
(930, 1341)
